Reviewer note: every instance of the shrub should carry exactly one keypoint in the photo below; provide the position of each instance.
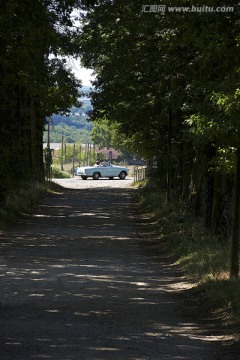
(59, 174)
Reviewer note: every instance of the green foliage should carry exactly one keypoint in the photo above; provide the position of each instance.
(33, 85)
(81, 155)
(172, 62)
(74, 125)
(124, 86)
(59, 174)
(224, 163)
(102, 133)
(107, 133)
(171, 83)
(202, 256)
(78, 117)
(71, 134)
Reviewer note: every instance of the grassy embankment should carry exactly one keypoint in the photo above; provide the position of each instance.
(203, 258)
(23, 199)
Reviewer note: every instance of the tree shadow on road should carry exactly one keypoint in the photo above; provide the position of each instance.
(77, 283)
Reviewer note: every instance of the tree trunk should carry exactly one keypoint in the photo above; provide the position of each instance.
(236, 222)
(169, 158)
(210, 154)
(217, 206)
(3, 188)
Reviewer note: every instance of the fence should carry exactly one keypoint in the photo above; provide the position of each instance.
(140, 173)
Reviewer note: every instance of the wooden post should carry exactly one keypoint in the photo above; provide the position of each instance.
(85, 156)
(73, 159)
(62, 153)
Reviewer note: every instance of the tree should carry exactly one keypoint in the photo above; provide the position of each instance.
(141, 68)
(157, 77)
(32, 86)
(216, 72)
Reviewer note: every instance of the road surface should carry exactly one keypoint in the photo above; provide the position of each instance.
(83, 276)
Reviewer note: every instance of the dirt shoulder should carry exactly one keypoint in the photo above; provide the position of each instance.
(82, 277)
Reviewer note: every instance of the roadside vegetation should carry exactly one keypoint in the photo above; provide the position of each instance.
(24, 199)
(59, 174)
(204, 257)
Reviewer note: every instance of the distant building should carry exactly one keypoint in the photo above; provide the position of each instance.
(107, 153)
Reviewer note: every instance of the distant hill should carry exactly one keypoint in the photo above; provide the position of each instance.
(75, 126)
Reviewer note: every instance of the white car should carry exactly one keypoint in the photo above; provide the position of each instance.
(105, 169)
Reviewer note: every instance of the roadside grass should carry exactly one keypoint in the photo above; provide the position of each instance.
(23, 199)
(204, 258)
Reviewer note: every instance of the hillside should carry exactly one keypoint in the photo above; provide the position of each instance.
(75, 126)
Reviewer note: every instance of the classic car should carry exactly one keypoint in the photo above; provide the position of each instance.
(105, 169)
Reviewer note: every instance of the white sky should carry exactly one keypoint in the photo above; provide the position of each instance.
(81, 73)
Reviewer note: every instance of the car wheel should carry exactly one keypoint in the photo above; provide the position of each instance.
(96, 176)
(111, 177)
(84, 177)
(122, 175)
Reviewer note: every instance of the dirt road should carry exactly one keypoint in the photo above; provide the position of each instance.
(80, 279)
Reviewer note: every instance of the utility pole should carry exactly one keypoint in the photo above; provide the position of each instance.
(48, 134)
(62, 153)
(48, 154)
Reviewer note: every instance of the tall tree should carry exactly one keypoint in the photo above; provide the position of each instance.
(32, 86)
(149, 66)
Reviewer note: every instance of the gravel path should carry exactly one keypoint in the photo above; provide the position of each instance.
(82, 277)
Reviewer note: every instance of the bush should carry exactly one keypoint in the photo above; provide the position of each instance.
(59, 174)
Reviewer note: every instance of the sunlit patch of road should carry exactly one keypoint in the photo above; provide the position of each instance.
(78, 183)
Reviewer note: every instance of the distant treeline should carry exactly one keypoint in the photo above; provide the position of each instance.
(73, 126)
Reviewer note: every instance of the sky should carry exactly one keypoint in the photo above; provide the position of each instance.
(81, 73)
